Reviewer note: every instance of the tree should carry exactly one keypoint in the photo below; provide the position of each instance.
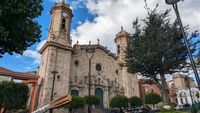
(197, 95)
(77, 102)
(157, 49)
(135, 101)
(94, 100)
(119, 101)
(18, 27)
(152, 98)
(13, 95)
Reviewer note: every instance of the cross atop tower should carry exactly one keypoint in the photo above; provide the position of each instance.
(98, 41)
(122, 29)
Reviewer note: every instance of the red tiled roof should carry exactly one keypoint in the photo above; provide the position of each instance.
(18, 75)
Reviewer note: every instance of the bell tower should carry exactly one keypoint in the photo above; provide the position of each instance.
(130, 88)
(56, 56)
(59, 31)
(122, 39)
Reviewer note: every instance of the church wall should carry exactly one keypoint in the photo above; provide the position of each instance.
(56, 23)
(79, 73)
(56, 60)
(123, 81)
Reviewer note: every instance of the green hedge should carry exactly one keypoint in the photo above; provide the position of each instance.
(172, 112)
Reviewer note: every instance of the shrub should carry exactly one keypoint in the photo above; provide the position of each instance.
(135, 101)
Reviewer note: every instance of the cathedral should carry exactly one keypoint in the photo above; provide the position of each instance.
(64, 68)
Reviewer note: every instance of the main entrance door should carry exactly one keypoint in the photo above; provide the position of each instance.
(99, 93)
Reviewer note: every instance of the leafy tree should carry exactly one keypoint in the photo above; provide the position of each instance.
(197, 95)
(18, 27)
(13, 95)
(157, 49)
(135, 101)
(94, 100)
(119, 101)
(77, 102)
(152, 98)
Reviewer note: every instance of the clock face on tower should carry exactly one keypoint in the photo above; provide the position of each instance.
(64, 14)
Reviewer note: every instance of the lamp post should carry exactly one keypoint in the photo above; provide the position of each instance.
(52, 89)
(187, 81)
(90, 53)
(175, 6)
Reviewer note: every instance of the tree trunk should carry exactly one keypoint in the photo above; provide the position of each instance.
(121, 111)
(164, 90)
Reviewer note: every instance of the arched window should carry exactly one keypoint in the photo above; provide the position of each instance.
(181, 100)
(74, 93)
(117, 72)
(76, 63)
(118, 48)
(63, 23)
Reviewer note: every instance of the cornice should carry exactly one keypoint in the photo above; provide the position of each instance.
(54, 44)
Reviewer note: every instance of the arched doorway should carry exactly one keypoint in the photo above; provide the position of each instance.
(74, 93)
(99, 93)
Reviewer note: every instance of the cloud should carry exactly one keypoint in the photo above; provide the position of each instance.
(55, 0)
(110, 15)
(34, 54)
(39, 46)
(78, 4)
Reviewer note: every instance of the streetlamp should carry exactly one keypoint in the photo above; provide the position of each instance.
(187, 80)
(175, 6)
(90, 53)
(52, 89)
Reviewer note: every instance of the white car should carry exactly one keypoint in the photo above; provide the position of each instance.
(179, 107)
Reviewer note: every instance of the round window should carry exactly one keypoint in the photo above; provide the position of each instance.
(98, 67)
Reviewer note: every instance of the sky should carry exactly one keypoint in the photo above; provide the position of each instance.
(98, 19)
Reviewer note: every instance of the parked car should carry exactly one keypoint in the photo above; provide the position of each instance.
(179, 107)
(113, 111)
(184, 107)
(141, 110)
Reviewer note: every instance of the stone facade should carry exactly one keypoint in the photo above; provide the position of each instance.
(179, 81)
(109, 74)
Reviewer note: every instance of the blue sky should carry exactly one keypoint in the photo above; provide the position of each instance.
(95, 19)
(30, 62)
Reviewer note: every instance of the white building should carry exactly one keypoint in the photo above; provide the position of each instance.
(186, 96)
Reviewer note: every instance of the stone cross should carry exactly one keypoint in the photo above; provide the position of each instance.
(122, 29)
(98, 41)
